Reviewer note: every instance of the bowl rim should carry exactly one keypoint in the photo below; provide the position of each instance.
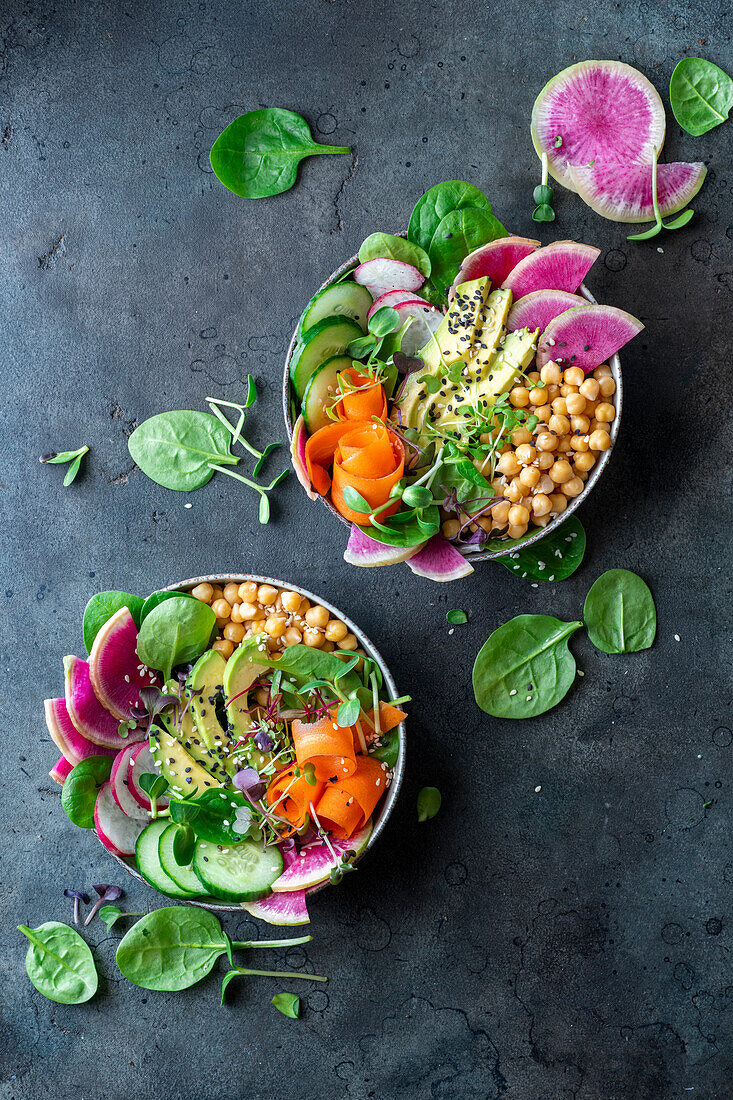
(541, 532)
(384, 810)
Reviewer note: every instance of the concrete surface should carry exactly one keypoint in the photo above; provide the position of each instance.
(563, 928)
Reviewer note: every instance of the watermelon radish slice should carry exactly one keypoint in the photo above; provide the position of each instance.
(559, 266)
(115, 669)
(116, 830)
(60, 770)
(440, 561)
(495, 259)
(283, 908)
(380, 276)
(586, 337)
(85, 710)
(365, 551)
(394, 298)
(313, 864)
(139, 761)
(623, 192)
(120, 785)
(66, 736)
(537, 309)
(297, 457)
(425, 319)
(600, 110)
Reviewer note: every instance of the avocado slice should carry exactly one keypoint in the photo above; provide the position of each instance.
(176, 765)
(456, 332)
(206, 684)
(216, 763)
(245, 665)
(486, 341)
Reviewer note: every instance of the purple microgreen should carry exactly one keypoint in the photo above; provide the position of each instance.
(250, 783)
(77, 895)
(263, 741)
(106, 893)
(407, 364)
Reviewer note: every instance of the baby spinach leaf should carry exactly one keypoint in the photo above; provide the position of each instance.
(175, 632)
(59, 963)
(175, 448)
(701, 95)
(554, 558)
(79, 792)
(220, 817)
(428, 803)
(389, 748)
(525, 667)
(258, 154)
(413, 533)
(460, 232)
(102, 607)
(288, 1004)
(619, 613)
(440, 200)
(386, 246)
(153, 600)
(456, 617)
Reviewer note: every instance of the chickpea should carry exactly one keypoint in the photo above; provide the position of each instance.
(575, 403)
(485, 524)
(521, 435)
(218, 593)
(328, 647)
(525, 454)
(579, 443)
(234, 632)
(316, 616)
(546, 484)
(223, 646)
(275, 625)
(590, 409)
(551, 374)
(313, 638)
(559, 502)
(292, 636)
(584, 462)
(545, 459)
(558, 424)
(533, 376)
(247, 591)
(564, 446)
(574, 376)
(566, 389)
(349, 642)
(221, 609)
(249, 611)
(559, 406)
(203, 592)
(538, 395)
(561, 472)
(291, 601)
(529, 476)
(540, 521)
(508, 464)
(604, 371)
(498, 485)
(516, 531)
(543, 412)
(546, 441)
(605, 412)
(500, 513)
(266, 595)
(579, 424)
(599, 440)
(518, 515)
(574, 487)
(515, 490)
(236, 616)
(607, 387)
(519, 397)
(485, 437)
(552, 393)
(450, 528)
(262, 697)
(231, 593)
(590, 388)
(336, 631)
(541, 504)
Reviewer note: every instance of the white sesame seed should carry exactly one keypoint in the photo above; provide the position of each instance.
(537, 789)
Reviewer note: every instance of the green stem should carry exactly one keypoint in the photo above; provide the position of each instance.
(245, 945)
(280, 974)
(545, 169)
(239, 477)
(331, 149)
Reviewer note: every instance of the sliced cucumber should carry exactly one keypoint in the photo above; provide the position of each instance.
(342, 300)
(320, 390)
(329, 337)
(149, 865)
(184, 877)
(237, 872)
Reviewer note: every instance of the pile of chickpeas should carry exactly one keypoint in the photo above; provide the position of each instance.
(285, 617)
(538, 471)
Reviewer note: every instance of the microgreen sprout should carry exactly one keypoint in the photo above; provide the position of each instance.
(106, 893)
(263, 490)
(110, 914)
(77, 895)
(62, 457)
(543, 195)
(676, 223)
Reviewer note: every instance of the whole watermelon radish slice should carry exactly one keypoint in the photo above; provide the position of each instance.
(586, 337)
(60, 770)
(313, 864)
(623, 192)
(597, 110)
(116, 672)
(495, 259)
(66, 736)
(115, 829)
(394, 298)
(121, 787)
(297, 455)
(440, 561)
(379, 276)
(87, 713)
(140, 761)
(559, 266)
(537, 309)
(365, 551)
(281, 909)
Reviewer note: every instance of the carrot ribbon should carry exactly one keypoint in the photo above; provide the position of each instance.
(326, 745)
(366, 400)
(347, 805)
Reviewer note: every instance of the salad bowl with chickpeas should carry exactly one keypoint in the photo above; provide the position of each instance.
(234, 741)
(444, 433)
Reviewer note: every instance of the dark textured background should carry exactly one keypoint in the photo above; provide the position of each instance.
(572, 941)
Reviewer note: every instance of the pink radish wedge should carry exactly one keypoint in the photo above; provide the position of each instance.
(586, 337)
(121, 787)
(394, 298)
(537, 309)
(283, 908)
(86, 711)
(380, 276)
(66, 736)
(559, 266)
(495, 259)
(313, 864)
(297, 456)
(60, 770)
(425, 320)
(116, 672)
(140, 761)
(440, 561)
(116, 830)
(365, 551)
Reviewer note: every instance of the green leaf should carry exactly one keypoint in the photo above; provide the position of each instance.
(184, 842)
(348, 712)
(384, 321)
(171, 948)
(251, 392)
(102, 607)
(175, 632)
(525, 667)
(428, 803)
(356, 501)
(543, 194)
(56, 458)
(554, 558)
(264, 512)
(619, 613)
(184, 812)
(701, 95)
(59, 963)
(456, 617)
(386, 246)
(258, 154)
(109, 915)
(362, 347)
(417, 496)
(153, 785)
(389, 750)
(436, 203)
(175, 449)
(73, 470)
(81, 787)
(156, 598)
(413, 533)
(459, 233)
(288, 1004)
(647, 234)
(681, 219)
(543, 213)
(217, 816)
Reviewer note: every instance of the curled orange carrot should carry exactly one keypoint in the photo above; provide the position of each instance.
(289, 796)
(320, 449)
(365, 401)
(325, 744)
(347, 805)
(370, 460)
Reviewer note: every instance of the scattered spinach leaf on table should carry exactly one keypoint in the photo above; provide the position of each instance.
(288, 1004)
(701, 95)
(80, 790)
(619, 613)
(429, 800)
(456, 617)
(102, 607)
(176, 449)
(175, 632)
(387, 246)
(59, 963)
(554, 558)
(258, 154)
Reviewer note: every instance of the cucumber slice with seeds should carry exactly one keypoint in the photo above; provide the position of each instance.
(149, 865)
(329, 337)
(237, 872)
(184, 877)
(320, 390)
(342, 300)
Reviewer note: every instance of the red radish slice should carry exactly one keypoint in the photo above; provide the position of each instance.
(599, 110)
(394, 298)
(60, 770)
(440, 561)
(297, 456)
(426, 321)
(140, 761)
(284, 908)
(623, 192)
(66, 736)
(116, 830)
(116, 671)
(365, 551)
(380, 276)
(537, 309)
(586, 337)
(314, 863)
(495, 259)
(85, 710)
(559, 266)
(120, 785)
